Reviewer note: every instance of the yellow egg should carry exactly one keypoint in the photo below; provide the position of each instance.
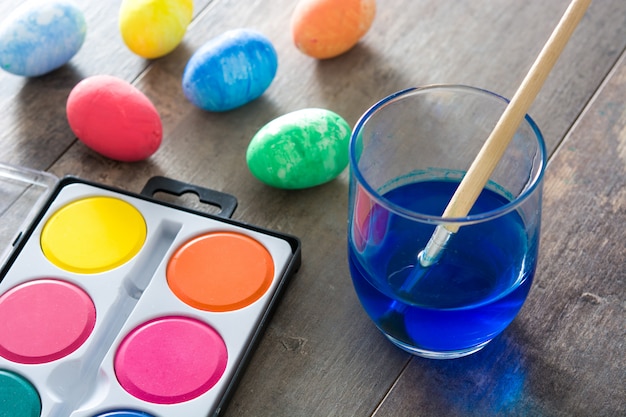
(328, 28)
(153, 28)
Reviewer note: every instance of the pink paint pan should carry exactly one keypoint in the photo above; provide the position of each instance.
(119, 304)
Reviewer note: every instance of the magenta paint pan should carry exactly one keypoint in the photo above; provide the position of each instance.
(115, 304)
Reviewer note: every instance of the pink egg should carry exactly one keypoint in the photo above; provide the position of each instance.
(114, 118)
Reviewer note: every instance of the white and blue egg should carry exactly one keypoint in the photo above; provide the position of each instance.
(39, 37)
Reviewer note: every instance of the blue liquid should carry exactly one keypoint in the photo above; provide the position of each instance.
(456, 306)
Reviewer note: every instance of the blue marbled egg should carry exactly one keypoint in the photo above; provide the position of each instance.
(40, 37)
(230, 70)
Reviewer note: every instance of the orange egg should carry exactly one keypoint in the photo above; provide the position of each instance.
(327, 28)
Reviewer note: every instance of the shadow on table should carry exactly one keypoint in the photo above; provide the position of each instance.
(36, 116)
(503, 379)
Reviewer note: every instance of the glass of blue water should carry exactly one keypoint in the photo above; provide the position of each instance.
(408, 153)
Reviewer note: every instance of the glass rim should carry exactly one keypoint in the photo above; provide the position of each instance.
(426, 218)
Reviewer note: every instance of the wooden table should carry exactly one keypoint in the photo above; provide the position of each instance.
(564, 355)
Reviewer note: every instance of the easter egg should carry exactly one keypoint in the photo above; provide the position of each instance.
(300, 149)
(114, 118)
(40, 37)
(328, 28)
(153, 28)
(230, 70)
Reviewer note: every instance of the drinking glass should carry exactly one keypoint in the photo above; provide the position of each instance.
(408, 154)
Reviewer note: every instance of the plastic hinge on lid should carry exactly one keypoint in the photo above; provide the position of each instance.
(23, 192)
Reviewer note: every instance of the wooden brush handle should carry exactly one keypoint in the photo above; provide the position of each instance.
(479, 172)
(490, 154)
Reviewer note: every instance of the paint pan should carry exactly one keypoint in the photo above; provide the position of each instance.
(115, 304)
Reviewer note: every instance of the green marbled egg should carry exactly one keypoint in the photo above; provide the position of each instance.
(300, 149)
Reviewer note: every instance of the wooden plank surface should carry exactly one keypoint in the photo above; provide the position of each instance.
(321, 355)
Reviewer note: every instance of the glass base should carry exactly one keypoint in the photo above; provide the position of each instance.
(448, 354)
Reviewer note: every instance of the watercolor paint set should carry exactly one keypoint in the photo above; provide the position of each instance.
(121, 304)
